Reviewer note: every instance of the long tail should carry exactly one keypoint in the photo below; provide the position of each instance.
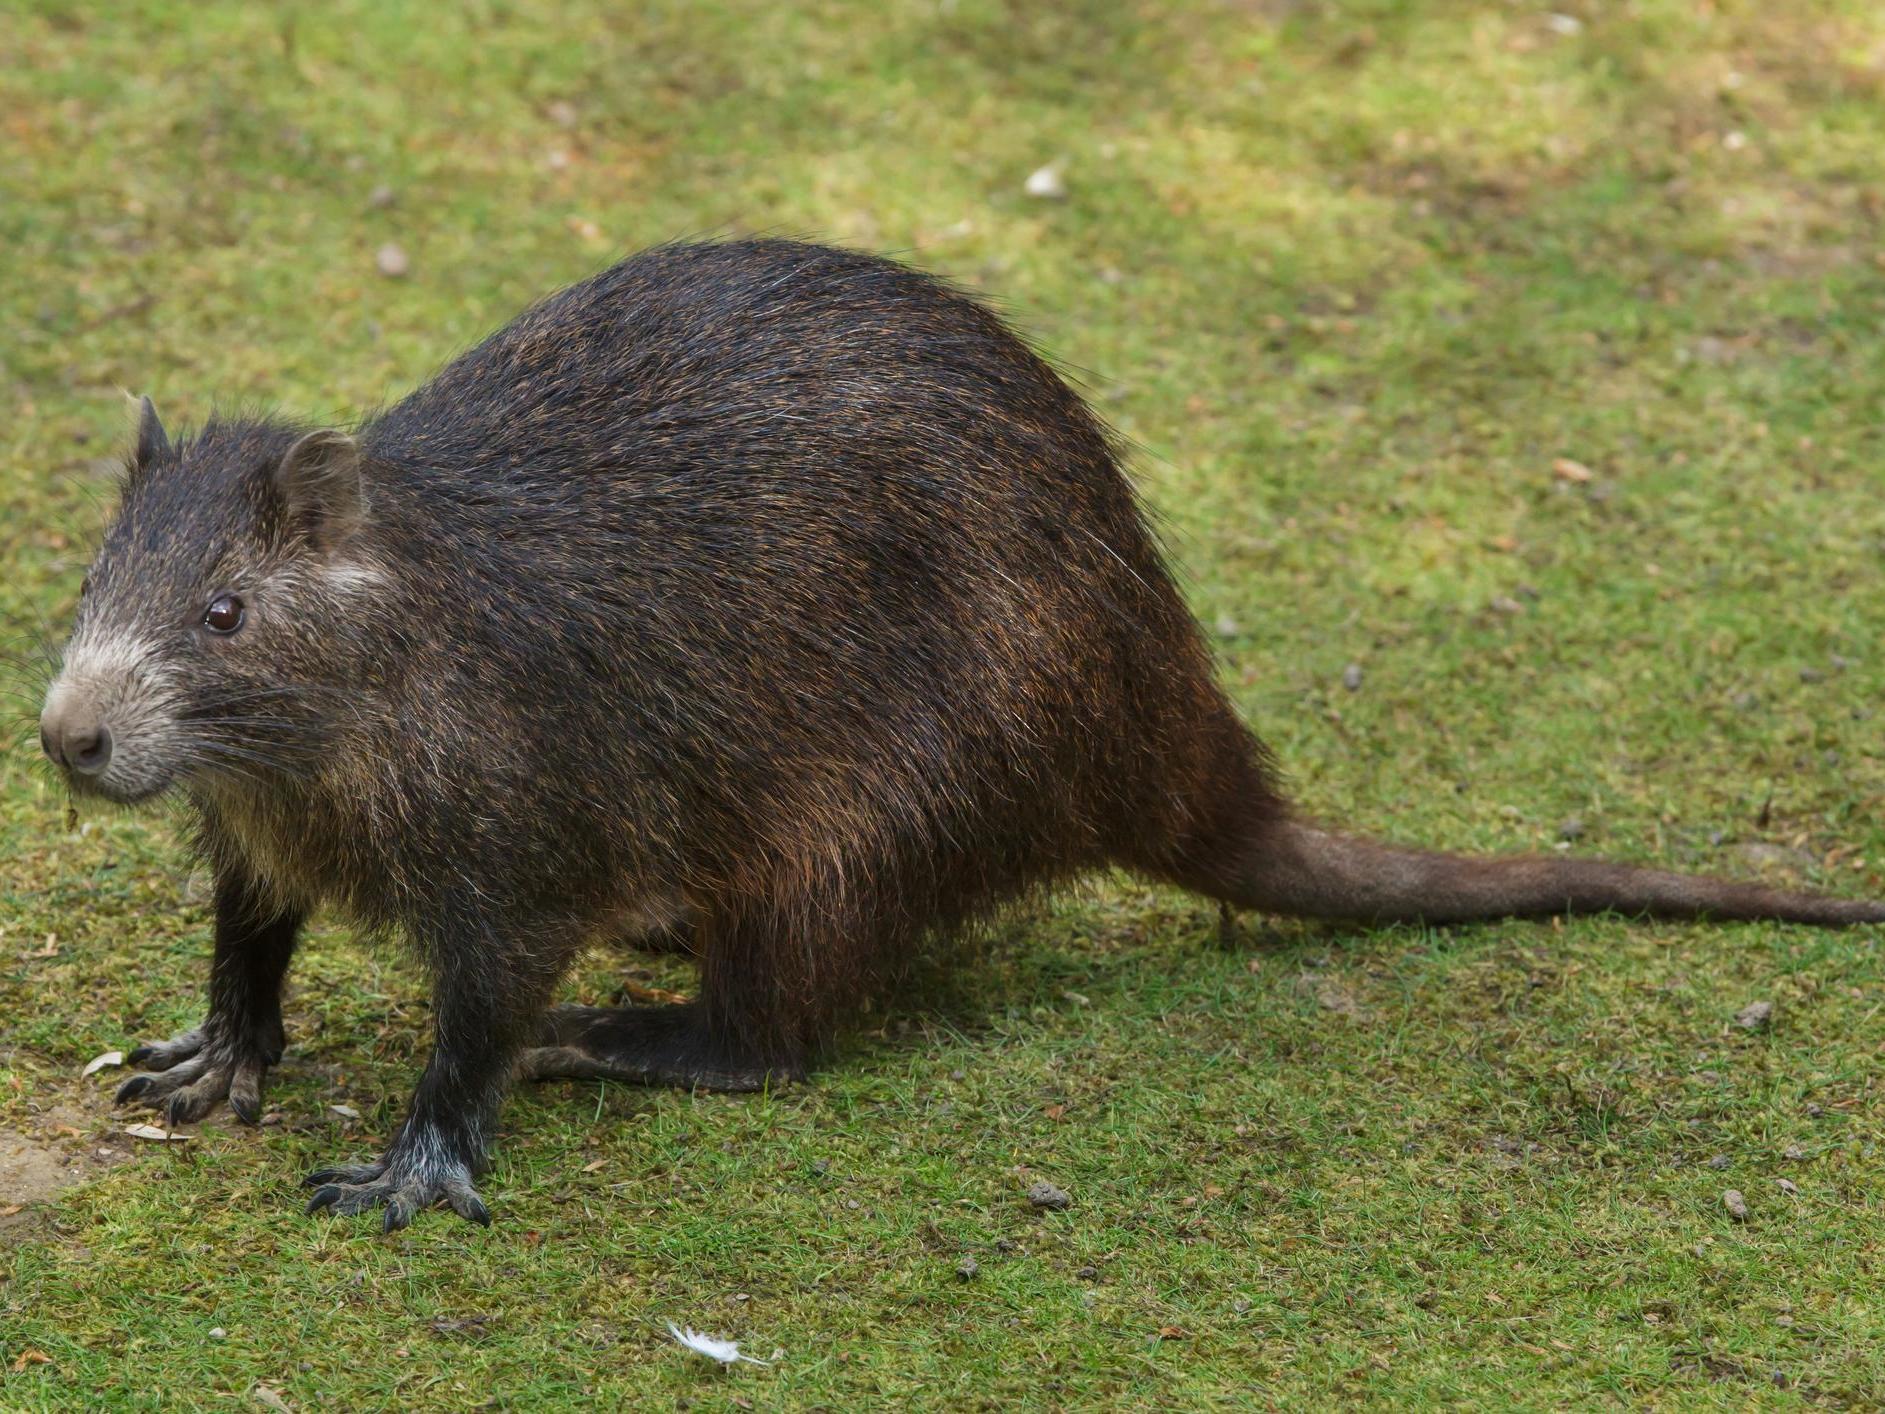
(1293, 868)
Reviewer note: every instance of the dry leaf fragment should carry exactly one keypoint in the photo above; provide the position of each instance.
(152, 1132)
(30, 1356)
(1567, 470)
(1172, 1333)
(1736, 1205)
(98, 1063)
(269, 1399)
(345, 1111)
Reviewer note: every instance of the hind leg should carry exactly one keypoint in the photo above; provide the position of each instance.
(648, 1045)
(759, 1009)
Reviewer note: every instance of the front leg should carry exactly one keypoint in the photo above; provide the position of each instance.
(227, 1056)
(487, 1006)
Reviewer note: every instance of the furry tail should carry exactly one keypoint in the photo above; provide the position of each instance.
(1294, 868)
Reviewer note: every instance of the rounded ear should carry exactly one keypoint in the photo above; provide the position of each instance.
(151, 442)
(320, 486)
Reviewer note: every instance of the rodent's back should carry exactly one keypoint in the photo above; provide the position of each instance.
(819, 546)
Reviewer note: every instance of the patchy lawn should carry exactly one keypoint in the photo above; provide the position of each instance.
(1510, 384)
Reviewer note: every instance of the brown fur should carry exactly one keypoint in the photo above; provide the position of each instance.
(769, 594)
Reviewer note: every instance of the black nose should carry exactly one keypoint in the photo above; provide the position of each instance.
(89, 751)
(81, 746)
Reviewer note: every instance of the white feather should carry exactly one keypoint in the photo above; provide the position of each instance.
(725, 1351)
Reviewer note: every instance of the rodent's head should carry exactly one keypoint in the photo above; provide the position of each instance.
(212, 629)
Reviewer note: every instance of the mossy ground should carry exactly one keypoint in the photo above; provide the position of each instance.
(1355, 277)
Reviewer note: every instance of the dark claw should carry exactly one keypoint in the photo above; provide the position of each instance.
(325, 1198)
(472, 1207)
(245, 1092)
(132, 1088)
(398, 1214)
(139, 1055)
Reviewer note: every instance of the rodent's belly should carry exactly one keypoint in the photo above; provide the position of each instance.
(651, 918)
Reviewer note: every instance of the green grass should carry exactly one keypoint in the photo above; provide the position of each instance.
(1353, 276)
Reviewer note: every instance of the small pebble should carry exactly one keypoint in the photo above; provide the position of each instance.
(1793, 1151)
(1736, 1205)
(1814, 1111)
(217, 1333)
(1789, 1187)
(1087, 1273)
(1754, 1016)
(1004, 1245)
(381, 197)
(391, 261)
(1044, 1195)
(1572, 829)
(1351, 677)
(1720, 1161)
(967, 1268)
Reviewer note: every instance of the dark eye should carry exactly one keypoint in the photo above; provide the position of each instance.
(224, 614)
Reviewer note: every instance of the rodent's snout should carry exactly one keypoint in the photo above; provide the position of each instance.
(74, 738)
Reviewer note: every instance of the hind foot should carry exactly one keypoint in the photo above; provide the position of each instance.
(663, 1045)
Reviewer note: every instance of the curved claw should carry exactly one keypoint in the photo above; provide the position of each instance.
(325, 1198)
(132, 1088)
(469, 1206)
(162, 1055)
(245, 1091)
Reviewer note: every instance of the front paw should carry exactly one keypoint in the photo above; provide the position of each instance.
(401, 1185)
(191, 1074)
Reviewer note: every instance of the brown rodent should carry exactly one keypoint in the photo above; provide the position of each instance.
(773, 595)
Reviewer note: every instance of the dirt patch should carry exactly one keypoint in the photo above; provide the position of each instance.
(32, 1171)
(54, 1151)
